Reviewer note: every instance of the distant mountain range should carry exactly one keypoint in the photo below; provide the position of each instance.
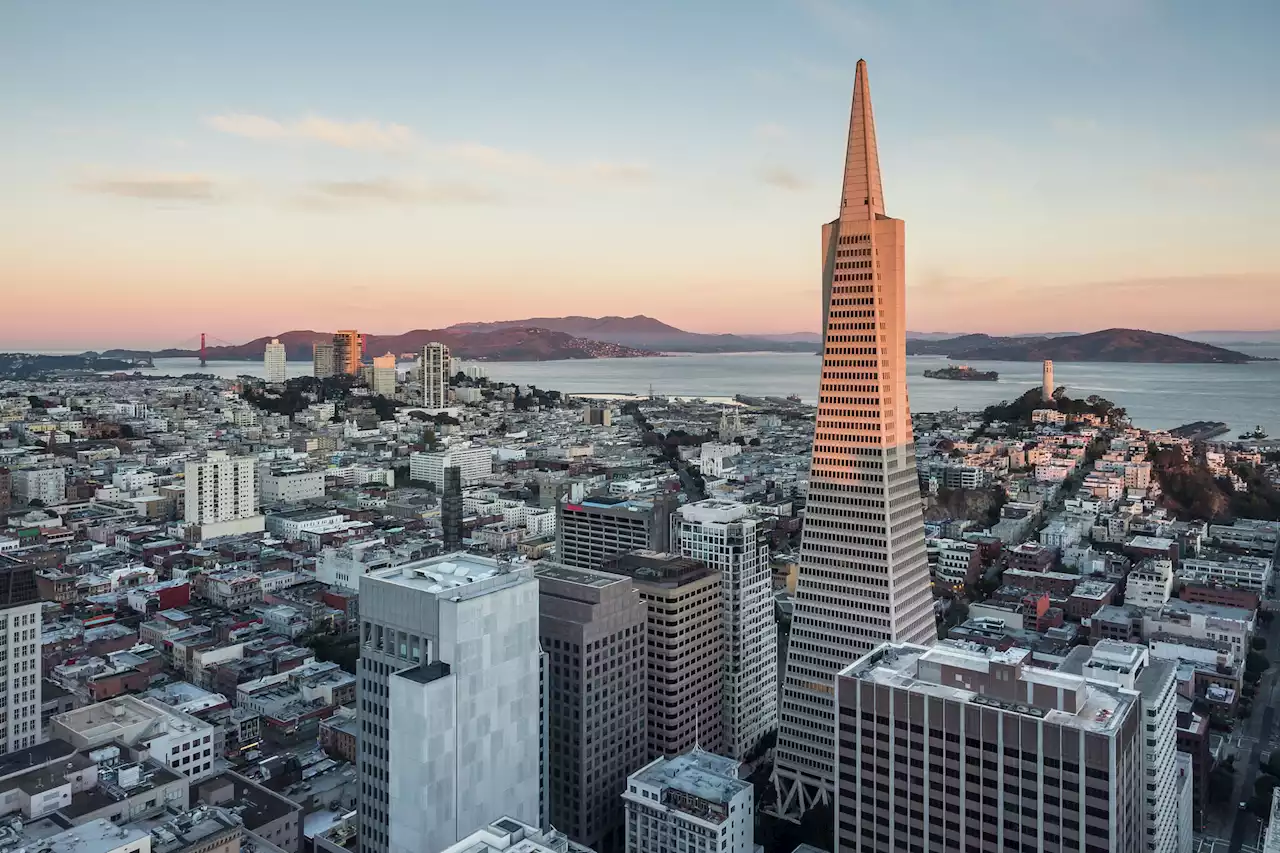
(1129, 345)
(555, 338)
(506, 344)
(650, 334)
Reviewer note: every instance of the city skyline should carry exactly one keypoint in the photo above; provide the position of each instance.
(333, 175)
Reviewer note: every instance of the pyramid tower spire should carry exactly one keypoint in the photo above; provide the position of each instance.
(863, 195)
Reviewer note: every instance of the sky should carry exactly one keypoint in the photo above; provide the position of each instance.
(245, 168)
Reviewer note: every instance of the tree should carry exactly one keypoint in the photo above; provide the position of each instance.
(35, 503)
(1256, 662)
(1259, 644)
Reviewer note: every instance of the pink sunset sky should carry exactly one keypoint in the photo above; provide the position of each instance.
(673, 162)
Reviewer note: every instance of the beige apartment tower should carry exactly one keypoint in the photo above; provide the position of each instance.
(686, 649)
(346, 352)
(322, 361)
(863, 578)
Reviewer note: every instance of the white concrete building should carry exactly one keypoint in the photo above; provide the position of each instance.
(222, 495)
(1245, 572)
(291, 525)
(1150, 584)
(291, 485)
(725, 536)
(476, 463)
(47, 485)
(20, 684)
(693, 803)
(182, 742)
(1132, 667)
(435, 376)
(508, 835)
(383, 378)
(273, 361)
(449, 701)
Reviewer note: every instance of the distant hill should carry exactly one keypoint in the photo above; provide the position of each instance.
(505, 344)
(646, 333)
(1127, 345)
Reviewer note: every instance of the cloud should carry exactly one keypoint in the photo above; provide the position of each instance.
(1191, 181)
(361, 135)
(779, 177)
(157, 187)
(521, 164)
(395, 191)
(770, 130)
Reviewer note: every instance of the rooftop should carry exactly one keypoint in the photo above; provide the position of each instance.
(709, 777)
(96, 836)
(452, 576)
(583, 577)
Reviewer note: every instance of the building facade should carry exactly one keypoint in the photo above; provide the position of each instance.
(592, 627)
(449, 701)
(964, 747)
(383, 379)
(473, 463)
(273, 361)
(602, 527)
(686, 630)
(20, 682)
(221, 494)
(346, 352)
(864, 576)
(435, 376)
(726, 537)
(323, 363)
(693, 803)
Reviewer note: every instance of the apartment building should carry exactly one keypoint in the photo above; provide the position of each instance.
(473, 463)
(20, 677)
(221, 495)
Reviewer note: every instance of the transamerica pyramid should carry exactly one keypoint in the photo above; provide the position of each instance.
(864, 578)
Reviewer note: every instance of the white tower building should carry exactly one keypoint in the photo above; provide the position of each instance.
(725, 536)
(1046, 381)
(222, 495)
(273, 360)
(435, 376)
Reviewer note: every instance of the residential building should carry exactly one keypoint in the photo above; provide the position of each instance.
(864, 575)
(473, 464)
(149, 728)
(592, 627)
(449, 701)
(1150, 584)
(726, 537)
(601, 527)
(346, 352)
(435, 376)
(291, 485)
(323, 361)
(685, 670)
(384, 375)
(693, 802)
(273, 361)
(221, 495)
(20, 632)
(47, 484)
(1245, 571)
(964, 746)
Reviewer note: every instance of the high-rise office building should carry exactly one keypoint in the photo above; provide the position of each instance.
(451, 509)
(346, 352)
(383, 375)
(863, 577)
(602, 526)
(686, 628)
(322, 361)
(20, 610)
(449, 701)
(593, 631)
(273, 361)
(221, 495)
(694, 802)
(726, 537)
(1155, 681)
(1046, 381)
(964, 747)
(435, 376)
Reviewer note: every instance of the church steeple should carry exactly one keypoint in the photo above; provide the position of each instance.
(863, 196)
